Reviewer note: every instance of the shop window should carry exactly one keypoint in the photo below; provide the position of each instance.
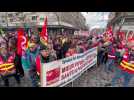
(10, 15)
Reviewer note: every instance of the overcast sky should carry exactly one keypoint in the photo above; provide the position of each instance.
(96, 19)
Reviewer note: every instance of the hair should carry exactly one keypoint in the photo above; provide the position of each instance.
(37, 38)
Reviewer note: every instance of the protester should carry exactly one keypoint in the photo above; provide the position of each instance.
(104, 56)
(29, 61)
(8, 58)
(65, 47)
(44, 54)
(71, 51)
(12, 49)
(100, 52)
(51, 53)
(110, 65)
(57, 47)
(125, 68)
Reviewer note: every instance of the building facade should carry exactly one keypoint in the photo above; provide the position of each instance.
(58, 22)
(123, 19)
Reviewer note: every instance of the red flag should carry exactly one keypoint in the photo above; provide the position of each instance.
(44, 34)
(121, 35)
(38, 64)
(109, 34)
(109, 30)
(20, 34)
(22, 42)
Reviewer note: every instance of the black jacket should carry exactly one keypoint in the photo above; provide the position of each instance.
(18, 65)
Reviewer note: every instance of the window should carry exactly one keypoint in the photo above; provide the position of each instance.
(10, 15)
(34, 17)
(3, 21)
(11, 20)
(17, 14)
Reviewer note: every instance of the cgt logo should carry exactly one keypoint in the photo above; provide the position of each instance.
(53, 76)
(23, 44)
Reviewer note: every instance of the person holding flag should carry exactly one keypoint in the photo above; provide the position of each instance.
(29, 60)
(43, 34)
(111, 50)
(43, 47)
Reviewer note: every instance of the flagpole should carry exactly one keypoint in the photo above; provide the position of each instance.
(127, 34)
(122, 22)
(37, 23)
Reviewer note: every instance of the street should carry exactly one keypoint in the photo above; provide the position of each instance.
(94, 77)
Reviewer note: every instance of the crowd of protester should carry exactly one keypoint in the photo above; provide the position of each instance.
(110, 54)
(58, 47)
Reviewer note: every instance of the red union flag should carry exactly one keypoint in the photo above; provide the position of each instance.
(44, 34)
(20, 34)
(22, 42)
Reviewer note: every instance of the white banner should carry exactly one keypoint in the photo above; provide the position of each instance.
(61, 72)
(82, 33)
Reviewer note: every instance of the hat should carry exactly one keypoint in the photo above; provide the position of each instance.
(107, 43)
(43, 47)
(31, 45)
(35, 38)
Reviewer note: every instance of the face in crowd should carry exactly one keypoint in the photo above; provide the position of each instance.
(132, 50)
(3, 49)
(33, 43)
(44, 53)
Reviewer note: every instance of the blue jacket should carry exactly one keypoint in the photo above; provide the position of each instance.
(28, 59)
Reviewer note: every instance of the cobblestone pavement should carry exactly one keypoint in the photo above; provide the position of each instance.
(94, 77)
(97, 77)
(13, 83)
